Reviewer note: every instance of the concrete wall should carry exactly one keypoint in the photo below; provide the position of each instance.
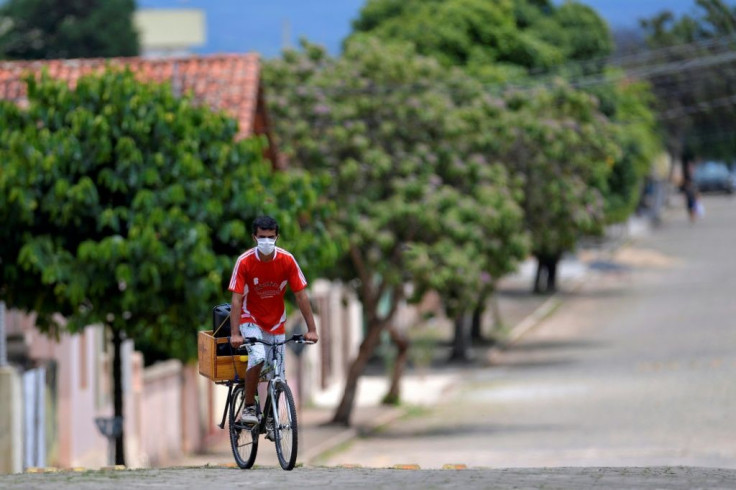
(11, 418)
(83, 388)
(161, 415)
(169, 408)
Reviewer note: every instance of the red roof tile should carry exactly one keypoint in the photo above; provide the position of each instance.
(223, 82)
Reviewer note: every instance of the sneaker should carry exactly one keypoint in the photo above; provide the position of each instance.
(249, 415)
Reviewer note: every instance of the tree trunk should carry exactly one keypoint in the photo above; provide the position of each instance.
(461, 341)
(546, 277)
(496, 313)
(476, 328)
(117, 375)
(393, 397)
(367, 347)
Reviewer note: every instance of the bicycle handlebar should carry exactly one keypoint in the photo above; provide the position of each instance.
(298, 338)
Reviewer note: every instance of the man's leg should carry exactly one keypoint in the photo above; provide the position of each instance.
(252, 376)
(256, 357)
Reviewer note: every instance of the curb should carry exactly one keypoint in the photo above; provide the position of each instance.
(348, 434)
(76, 469)
(535, 318)
(547, 308)
(532, 320)
(317, 451)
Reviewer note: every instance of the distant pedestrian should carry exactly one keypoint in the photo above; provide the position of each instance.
(692, 200)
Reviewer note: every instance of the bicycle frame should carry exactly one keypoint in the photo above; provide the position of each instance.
(278, 376)
(274, 377)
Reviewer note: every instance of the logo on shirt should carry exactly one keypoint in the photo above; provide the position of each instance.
(255, 280)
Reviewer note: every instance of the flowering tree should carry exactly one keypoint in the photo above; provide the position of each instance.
(563, 148)
(582, 159)
(414, 204)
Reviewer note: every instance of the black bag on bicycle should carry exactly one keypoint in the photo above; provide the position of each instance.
(221, 327)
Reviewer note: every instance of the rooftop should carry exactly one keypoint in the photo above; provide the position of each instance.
(223, 82)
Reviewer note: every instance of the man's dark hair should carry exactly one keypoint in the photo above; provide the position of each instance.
(265, 223)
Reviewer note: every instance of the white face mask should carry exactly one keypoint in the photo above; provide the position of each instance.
(266, 245)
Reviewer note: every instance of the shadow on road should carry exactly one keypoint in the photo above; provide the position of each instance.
(553, 345)
(470, 428)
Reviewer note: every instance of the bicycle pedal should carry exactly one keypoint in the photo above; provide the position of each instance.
(269, 430)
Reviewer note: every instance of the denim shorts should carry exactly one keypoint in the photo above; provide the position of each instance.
(260, 353)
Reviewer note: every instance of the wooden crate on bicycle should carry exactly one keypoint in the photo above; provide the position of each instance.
(218, 368)
(217, 361)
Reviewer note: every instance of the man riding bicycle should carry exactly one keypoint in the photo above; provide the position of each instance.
(258, 284)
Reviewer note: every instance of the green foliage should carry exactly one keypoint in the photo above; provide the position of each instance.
(525, 41)
(695, 99)
(585, 35)
(562, 148)
(415, 203)
(124, 205)
(629, 105)
(48, 29)
(486, 36)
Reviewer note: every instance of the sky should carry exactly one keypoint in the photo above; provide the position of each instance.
(267, 26)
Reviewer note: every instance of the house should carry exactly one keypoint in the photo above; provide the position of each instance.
(227, 82)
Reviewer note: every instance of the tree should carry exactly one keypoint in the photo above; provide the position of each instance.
(542, 42)
(479, 123)
(471, 31)
(48, 29)
(629, 106)
(577, 29)
(496, 41)
(695, 79)
(123, 205)
(563, 149)
(387, 127)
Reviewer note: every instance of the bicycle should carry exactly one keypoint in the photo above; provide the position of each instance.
(278, 421)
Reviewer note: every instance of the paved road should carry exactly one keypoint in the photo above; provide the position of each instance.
(549, 479)
(637, 368)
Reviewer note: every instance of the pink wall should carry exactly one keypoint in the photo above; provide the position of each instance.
(79, 441)
(169, 409)
(161, 414)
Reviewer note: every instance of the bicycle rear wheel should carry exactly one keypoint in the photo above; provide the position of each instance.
(243, 439)
(286, 432)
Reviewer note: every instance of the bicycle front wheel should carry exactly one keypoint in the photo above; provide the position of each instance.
(286, 431)
(243, 439)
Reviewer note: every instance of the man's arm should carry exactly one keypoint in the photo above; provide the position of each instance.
(302, 300)
(235, 308)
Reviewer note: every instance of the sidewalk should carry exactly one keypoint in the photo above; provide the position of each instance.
(520, 310)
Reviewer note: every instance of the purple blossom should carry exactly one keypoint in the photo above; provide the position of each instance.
(479, 159)
(321, 109)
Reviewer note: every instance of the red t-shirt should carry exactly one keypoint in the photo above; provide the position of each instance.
(263, 285)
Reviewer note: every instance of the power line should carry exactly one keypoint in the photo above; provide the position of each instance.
(633, 66)
(644, 56)
(699, 107)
